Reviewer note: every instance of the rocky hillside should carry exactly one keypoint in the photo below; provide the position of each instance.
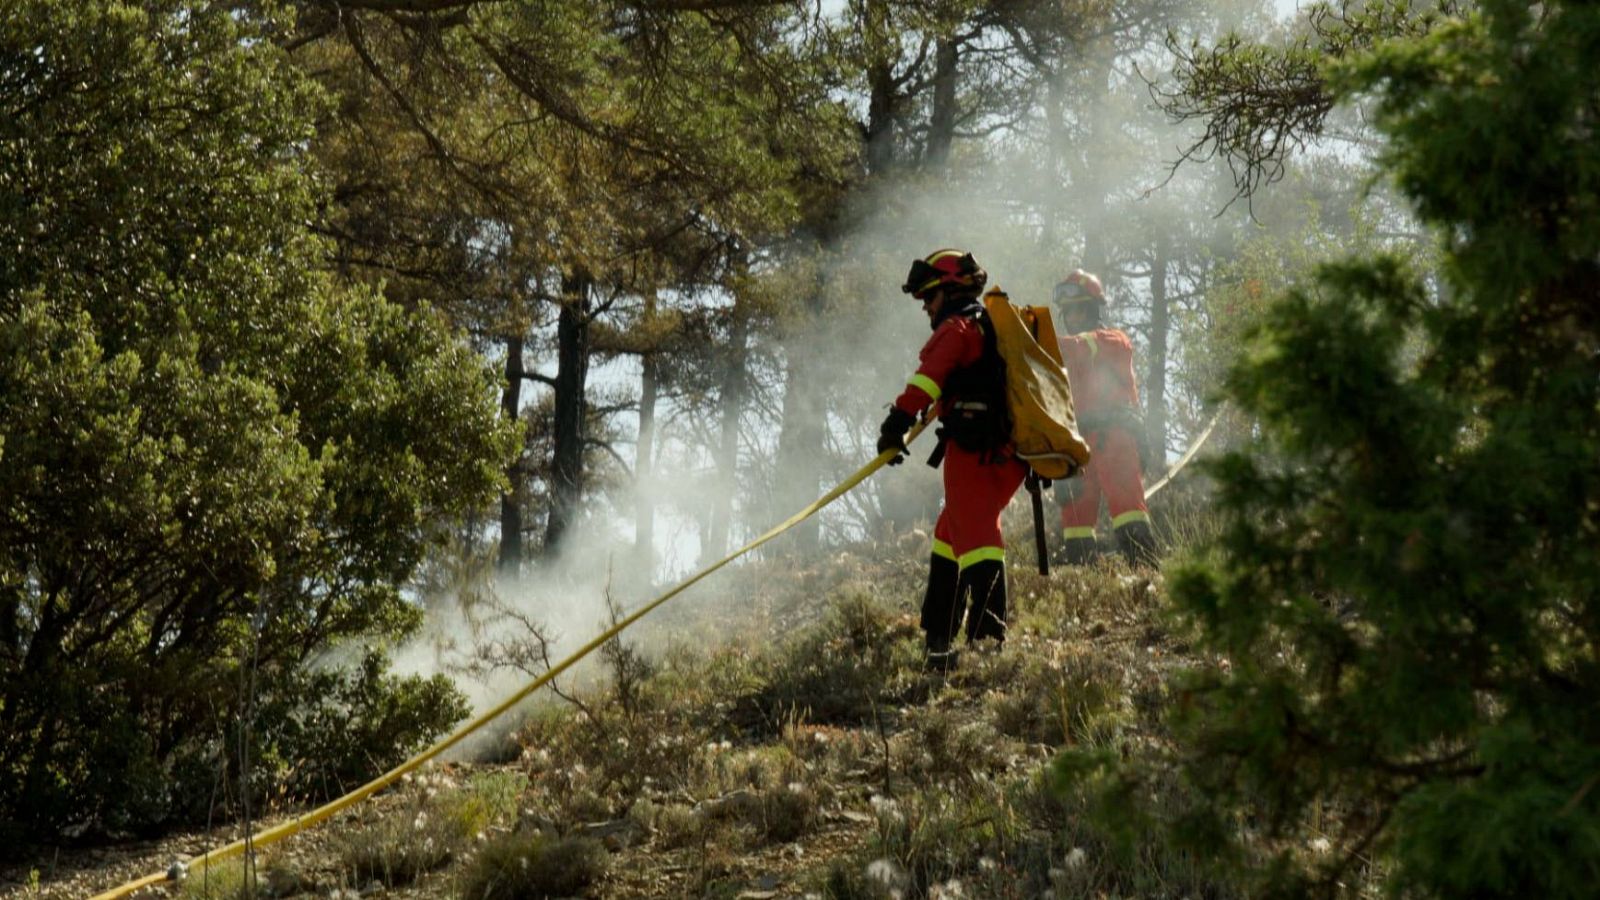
(793, 747)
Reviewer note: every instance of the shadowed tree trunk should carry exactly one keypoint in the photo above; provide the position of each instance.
(883, 92)
(1057, 201)
(572, 375)
(734, 379)
(644, 503)
(942, 120)
(510, 559)
(1155, 382)
(801, 441)
(1089, 187)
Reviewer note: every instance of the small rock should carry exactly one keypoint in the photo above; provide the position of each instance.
(618, 834)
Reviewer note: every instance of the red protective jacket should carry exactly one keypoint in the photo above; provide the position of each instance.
(956, 344)
(977, 487)
(1100, 368)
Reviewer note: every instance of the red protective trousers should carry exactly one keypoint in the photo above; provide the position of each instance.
(1100, 367)
(976, 492)
(1113, 472)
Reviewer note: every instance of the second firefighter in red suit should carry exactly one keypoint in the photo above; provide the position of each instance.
(1105, 394)
(959, 370)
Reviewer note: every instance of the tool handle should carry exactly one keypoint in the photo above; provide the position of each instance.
(1040, 544)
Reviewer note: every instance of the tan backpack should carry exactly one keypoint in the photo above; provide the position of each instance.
(1044, 426)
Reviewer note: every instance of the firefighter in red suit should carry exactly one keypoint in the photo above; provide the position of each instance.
(1106, 397)
(960, 371)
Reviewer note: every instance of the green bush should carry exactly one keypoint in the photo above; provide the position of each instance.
(1068, 697)
(785, 812)
(222, 881)
(326, 730)
(399, 848)
(218, 466)
(489, 798)
(524, 867)
(1404, 600)
(839, 672)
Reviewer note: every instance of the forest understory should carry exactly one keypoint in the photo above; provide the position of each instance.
(770, 737)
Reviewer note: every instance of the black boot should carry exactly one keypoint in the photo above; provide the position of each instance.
(1077, 551)
(939, 656)
(939, 612)
(983, 584)
(1137, 543)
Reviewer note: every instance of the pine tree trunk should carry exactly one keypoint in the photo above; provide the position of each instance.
(644, 528)
(1057, 172)
(942, 120)
(733, 391)
(1155, 382)
(572, 375)
(800, 445)
(510, 559)
(882, 92)
(1090, 188)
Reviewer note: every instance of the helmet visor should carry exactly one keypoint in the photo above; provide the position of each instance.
(1070, 291)
(923, 276)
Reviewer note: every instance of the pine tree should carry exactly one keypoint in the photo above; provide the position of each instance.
(1407, 592)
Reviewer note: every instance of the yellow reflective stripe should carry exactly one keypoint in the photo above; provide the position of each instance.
(922, 381)
(1094, 348)
(979, 555)
(1078, 531)
(943, 551)
(1132, 515)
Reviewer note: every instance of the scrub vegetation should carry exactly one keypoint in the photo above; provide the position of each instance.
(927, 785)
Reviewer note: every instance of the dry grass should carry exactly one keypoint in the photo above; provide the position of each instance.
(436, 820)
(527, 867)
(793, 739)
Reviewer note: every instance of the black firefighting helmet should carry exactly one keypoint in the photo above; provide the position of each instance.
(953, 270)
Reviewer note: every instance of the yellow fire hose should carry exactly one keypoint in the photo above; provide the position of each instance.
(1187, 456)
(300, 823)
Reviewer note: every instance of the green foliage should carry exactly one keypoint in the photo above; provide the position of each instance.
(1061, 699)
(1259, 103)
(398, 849)
(435, 820)
(323, 731)
(517, 866)
(216, 466)
(226, 880)
(1403, 597)
(839, 672)
(488, 798)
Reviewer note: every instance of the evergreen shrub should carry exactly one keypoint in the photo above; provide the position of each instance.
(1403, 605)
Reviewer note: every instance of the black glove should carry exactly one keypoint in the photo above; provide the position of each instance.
(892, 433)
